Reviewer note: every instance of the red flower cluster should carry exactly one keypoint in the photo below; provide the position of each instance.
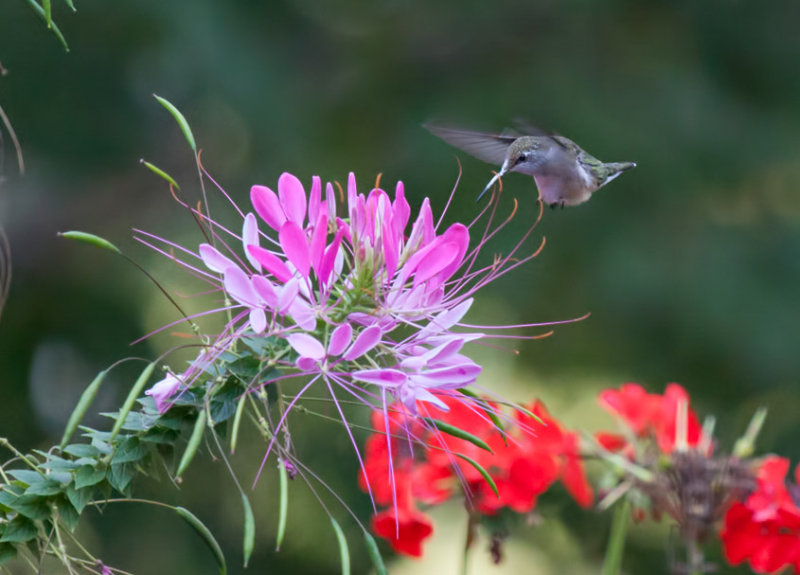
(424, 466)
(765, 529)
(648, 415)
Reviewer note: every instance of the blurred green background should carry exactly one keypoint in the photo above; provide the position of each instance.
(689, 265)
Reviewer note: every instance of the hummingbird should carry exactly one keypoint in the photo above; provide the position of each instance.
(565, 173)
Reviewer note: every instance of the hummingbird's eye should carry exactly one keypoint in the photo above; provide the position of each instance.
(522, 157)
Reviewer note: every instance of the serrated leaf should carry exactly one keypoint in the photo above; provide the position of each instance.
(84, 402)
(31, 506)
(130, 450)
(344, 552)
(82, 450)
(120, 476)
(28, 476)
(375, 554)
(79, 498)
(180, 119)
(7, 552)
(67, 514)
(207, 536)
(44, 488)
(457, 433)
(19, 530)
(88, 475)
(249, 541)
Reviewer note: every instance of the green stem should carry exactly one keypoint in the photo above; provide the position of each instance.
(616, 541)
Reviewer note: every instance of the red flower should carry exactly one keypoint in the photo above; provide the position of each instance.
(651, 414)
(525, 459)
(405, 530)
(765, 529)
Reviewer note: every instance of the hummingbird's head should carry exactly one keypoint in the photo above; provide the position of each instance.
(517, 154)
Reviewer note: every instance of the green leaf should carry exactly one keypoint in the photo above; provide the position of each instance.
(31, 506)
(283, 503)
(84, 402)
(44, 488)
(223, 404)
(79, 498)
(490, 413)
(67, 513)
(481, 470)
(120, 476)
(19, 530)
(88, 475)
(458, 433)
(130, 450)
(375, 554)
(344, 552)
(135, 392)
(194, 443)
(52, 25)
(27, 476)
(205, 533)
(71, 5)
(184, 125)
(7, 552)
(249, 529)
(91, 239)
(48, 13)
(82, 450)
(161, 173)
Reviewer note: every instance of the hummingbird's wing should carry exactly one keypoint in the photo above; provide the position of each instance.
(490, 148)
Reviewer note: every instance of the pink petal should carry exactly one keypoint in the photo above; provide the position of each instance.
(340, 339)
(390, 255)
(387, 377)
(265, 290)
(306, 345)
(330, 199)
(214, 260)
(314, 199)
(272, 263)
(351, 196)
(303, 315)
(237, 283)
(250, 238)
(293, 198)
(287, 296)
(446, 319)
(365, 341)
(458, 234)
(448, 377)
(267, 206)
(295, 246)
(435, 261)
(258, 320)
(163, 390)
(306, 364)
(318, 237)
(401, 210)
(329, 258)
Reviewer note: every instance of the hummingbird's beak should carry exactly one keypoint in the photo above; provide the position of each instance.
(496, 177)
